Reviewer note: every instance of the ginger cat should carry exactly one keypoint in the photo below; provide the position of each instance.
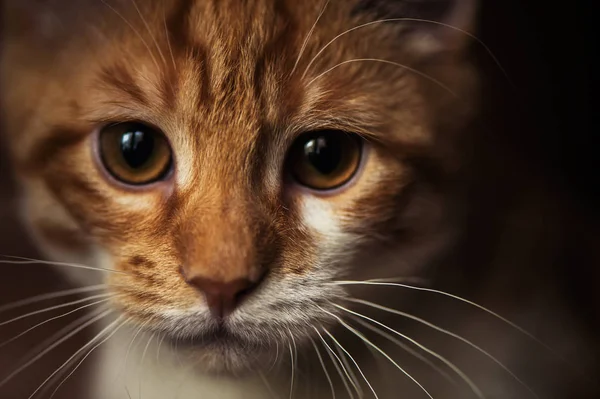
(251, 179)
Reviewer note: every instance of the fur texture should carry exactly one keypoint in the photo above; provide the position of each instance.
(232, 84)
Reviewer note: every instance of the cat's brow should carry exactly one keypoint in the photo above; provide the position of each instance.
(117, 77)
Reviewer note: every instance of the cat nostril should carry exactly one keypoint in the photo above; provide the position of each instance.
(222, 297)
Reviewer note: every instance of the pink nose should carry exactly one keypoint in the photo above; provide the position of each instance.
(222, 297)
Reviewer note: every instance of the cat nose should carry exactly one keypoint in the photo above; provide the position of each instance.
(222, 297)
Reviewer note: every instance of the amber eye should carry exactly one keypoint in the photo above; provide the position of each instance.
(326, 159)
(135, 153)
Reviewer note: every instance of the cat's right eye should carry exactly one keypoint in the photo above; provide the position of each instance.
(135, 153)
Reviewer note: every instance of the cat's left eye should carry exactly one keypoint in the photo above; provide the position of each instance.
(325, 160)
(134, 153)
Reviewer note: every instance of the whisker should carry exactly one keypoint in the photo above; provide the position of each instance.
(59, 334)
(149, 32)
(294, 359)
(88, 354)
(54, 345)
(472, 36)
(412, 352)
(293, 371)
(142, 364)
(353, 361)
(310, 32)
(186, 376)
(449, 333)
(267, 385)
(348, 367)
(341, 365)
(276, 357)
(413, 70)
(80, 350)
(123, 366)
(160, 342)
(488, 311)
(51, 308)
(51, 295)
(134, 31)
(168, 39)
(361, 336)
(29, 261)
(415, 354)
(451, 365)
(3, 344)
(177, 338)
(312, 341)
(406, 280)
(63, 332)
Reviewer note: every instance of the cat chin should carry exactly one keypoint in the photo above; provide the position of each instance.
(226, 356)
(226, 359)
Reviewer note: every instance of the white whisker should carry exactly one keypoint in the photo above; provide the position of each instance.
(140, 377)
(496, 315)
(472, 36)
(449, 333)
(54, 345)
(406, 280)
(50, 295)
(361, 336)
(186, 376)
(308, 36)
(451, 365)
(276, 357)
(413, 70)
(63, 332)
(348, 368)
(293, 370)
(267, 385)
(324, 367)
(169, 40)
(353, 361)
(60, 334)
(412, 352)
(28, 261)
(137, 33)
(51, 319)
(339, 361)
(294, 360)
(51, 308)
(123, 366)
(88, 354)
(160, 342)
(149, 32)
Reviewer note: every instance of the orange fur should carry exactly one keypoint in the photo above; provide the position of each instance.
(226, 98)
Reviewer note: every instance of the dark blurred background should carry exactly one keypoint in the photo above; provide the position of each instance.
(548, 49)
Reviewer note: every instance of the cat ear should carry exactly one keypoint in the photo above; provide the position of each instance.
(434, 27)
(459, 20)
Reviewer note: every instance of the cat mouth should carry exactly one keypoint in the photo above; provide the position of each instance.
(218, 337)
(221, 350)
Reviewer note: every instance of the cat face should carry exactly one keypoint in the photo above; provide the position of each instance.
(230, 160)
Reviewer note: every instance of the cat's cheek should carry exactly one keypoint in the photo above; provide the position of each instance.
(320, 217)
(56, 233)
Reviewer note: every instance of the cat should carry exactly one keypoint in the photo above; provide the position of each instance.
(280, 196)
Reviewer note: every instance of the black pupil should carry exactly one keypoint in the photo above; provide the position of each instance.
(324, 153)
(137, 147)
